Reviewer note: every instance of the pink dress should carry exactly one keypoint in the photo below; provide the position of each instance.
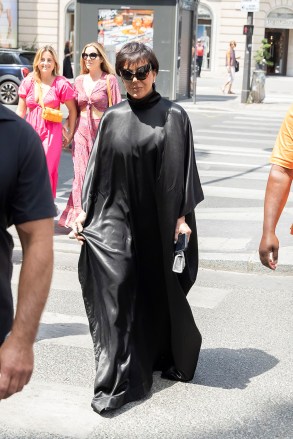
(84, 137)
(49, 132)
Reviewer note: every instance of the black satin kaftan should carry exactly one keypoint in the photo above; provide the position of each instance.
(141, 178)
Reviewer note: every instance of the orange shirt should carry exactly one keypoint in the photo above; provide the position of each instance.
(199, 50)
(282, 154)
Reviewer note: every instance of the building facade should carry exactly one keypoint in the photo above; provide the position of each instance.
(43, 22)
(219, 21)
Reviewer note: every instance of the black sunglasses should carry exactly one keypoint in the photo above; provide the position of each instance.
(92, 55)
(140, 74)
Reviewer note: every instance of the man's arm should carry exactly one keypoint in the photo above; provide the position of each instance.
(277, 191)
(16, 353)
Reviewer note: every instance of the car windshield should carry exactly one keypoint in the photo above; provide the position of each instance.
(27, 58)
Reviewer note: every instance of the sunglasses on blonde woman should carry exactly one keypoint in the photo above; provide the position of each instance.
(140, 74)
(91, 56)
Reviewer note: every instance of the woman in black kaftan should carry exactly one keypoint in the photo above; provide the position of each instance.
(140, 191)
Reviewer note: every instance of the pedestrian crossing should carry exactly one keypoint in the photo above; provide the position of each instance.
(233, 158)
(234, 175)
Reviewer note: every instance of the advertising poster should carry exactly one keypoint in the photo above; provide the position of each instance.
(119, 26)
(8, 23)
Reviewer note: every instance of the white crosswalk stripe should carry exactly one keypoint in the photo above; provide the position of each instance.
(233, 159)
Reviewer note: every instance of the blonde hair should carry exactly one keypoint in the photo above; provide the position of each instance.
(106, 66)
(233, 42)
(37, 60)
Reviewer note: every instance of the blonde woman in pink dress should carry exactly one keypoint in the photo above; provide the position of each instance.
(93, 89)
(55, 90)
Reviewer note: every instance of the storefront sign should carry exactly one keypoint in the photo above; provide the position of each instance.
(249, 5)
(281, 18)
(279, 23)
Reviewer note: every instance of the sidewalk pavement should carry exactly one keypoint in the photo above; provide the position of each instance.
(209, 96)
(278, 99)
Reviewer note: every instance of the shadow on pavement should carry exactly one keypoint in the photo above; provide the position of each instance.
(210, 98)
(232, 368)
(215, 98)
(59, 230)
(239, 174)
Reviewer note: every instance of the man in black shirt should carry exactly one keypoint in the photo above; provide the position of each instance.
(25, 201)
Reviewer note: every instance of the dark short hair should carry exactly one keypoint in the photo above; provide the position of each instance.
(132, 53)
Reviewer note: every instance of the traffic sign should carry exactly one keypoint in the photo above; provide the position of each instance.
(249, 5)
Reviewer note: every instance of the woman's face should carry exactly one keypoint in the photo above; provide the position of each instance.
(138, 88)
(47, 63)
(90, 61)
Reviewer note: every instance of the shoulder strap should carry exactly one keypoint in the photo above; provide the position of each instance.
(40, 95)
(109, 91)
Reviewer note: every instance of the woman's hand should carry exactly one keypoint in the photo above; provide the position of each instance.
(69, 124)
(66, 136)
(182, 227)
(78, 226)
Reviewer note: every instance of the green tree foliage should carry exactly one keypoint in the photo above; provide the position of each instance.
(263, 54)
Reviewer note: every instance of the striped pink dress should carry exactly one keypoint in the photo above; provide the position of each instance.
(84, 136)
(49, 132)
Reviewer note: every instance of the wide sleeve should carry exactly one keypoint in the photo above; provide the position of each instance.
(178, 177)
(25, 86)
(193, 193)
(115, 91)
(65, 90)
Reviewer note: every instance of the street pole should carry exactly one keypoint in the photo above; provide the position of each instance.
(194, 56)
(247, 62)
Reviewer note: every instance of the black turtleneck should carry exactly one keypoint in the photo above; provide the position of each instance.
(146, 102)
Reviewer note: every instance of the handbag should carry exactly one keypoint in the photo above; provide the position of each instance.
(236, 65)
(48, 113)
(179, 257)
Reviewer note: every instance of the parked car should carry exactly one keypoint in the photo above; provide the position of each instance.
(15, 64)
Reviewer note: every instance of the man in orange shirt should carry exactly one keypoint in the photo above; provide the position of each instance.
(277, 191)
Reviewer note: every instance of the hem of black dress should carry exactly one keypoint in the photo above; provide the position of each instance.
(104, 404)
